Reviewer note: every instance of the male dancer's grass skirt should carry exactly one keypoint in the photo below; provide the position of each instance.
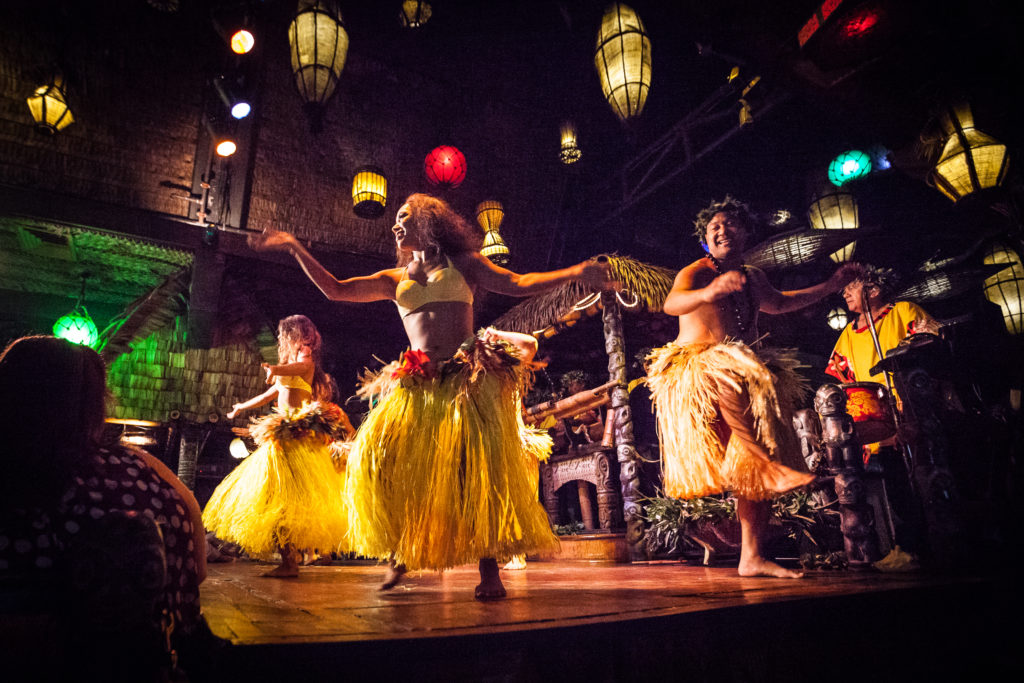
(441, 471)
(288, 490)
(698, 388)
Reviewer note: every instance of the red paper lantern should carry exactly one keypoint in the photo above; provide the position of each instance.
(446, 166)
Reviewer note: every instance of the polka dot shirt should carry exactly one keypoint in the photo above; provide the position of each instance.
(32, 540)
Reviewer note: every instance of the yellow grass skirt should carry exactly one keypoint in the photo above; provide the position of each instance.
(695, 463)
(287, 491)
(442, 471)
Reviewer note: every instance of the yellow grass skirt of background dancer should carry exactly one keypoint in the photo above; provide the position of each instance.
(441, 472)
(286, 491)
(683, 380)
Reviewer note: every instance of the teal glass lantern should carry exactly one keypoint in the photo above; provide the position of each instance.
(77, 327)
(849, 166)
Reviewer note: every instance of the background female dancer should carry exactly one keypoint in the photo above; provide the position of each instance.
(287, 494)
(437, 474)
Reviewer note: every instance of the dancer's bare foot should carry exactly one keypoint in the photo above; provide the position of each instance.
(759, 566)
(289, 567)
(490, 587)
(517, 562)
(393, 577)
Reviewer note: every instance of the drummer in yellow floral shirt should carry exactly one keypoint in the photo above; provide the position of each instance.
(854, 354)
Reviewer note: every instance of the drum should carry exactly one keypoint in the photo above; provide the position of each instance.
(868, 404)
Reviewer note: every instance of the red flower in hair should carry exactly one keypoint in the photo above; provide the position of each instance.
(413, 363)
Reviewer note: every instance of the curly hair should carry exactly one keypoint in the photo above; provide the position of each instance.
(730, 206)
(294, 333)
(874, 276)
(442, 229)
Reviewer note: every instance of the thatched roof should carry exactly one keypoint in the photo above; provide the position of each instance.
(650, 285)
(152, 311)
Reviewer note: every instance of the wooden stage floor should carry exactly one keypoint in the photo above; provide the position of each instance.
(602, 621)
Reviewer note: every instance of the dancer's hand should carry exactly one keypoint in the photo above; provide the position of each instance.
(729, 282)
(235, 410)
(268, 369)
(272, 240)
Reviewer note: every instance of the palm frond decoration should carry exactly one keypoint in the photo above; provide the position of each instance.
(646, 285)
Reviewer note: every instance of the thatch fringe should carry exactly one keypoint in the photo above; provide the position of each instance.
(649, 284)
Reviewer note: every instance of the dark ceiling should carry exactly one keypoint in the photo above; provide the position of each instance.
(870, 76)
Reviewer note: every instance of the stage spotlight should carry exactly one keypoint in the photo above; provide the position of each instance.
(223, 141)
(238, 106)
(241, 41)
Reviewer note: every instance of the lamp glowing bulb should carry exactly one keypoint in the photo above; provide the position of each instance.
(241, 42)
(237, 449)
(226, 148)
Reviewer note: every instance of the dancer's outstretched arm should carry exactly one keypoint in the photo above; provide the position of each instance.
(379, 286)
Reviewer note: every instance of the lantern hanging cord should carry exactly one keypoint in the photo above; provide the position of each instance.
(81, 292)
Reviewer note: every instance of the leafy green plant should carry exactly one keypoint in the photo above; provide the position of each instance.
(570, 529)
(675, 526)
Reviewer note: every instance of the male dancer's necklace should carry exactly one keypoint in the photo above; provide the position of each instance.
(742, 319)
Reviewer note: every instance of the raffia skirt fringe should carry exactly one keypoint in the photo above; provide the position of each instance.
(442, 470)
(286, 491)
(684, 382)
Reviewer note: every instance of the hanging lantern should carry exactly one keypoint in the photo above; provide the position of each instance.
(77, 326)
(623, 60)
(445, 166)
(970, 160)
(837, 318)
(849, 166)
(835, 209)
(489, 215)
(369, 192)
(570, 152)
(845, 254)
(318, 43)
(414, 13)
(49, 106)
(1006, 288)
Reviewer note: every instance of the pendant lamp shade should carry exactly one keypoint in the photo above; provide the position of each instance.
(837, 318)
(1006, 288)
(489, 215)
(319, 45)
(77, 327)
(445, 166)
(369, 192)
(623, 60)
(570, 150)
(49, 106)
(970, 160)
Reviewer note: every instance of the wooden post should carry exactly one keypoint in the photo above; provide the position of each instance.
(188, 453)
(846, 464)
(629, 470)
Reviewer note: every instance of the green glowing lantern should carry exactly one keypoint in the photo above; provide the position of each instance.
(77, 327)
(849, 166)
